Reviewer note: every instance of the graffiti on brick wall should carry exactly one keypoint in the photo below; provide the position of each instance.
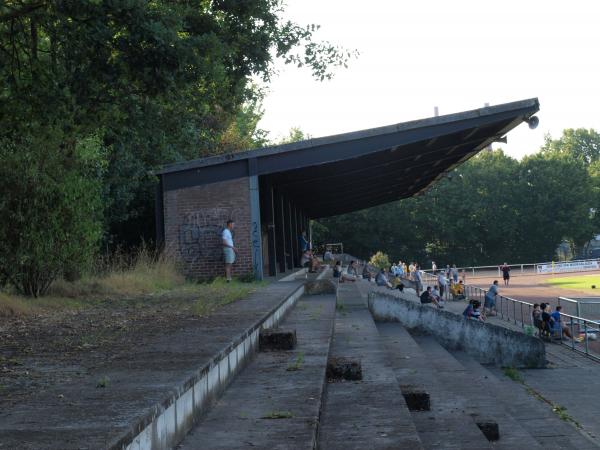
(200, 234)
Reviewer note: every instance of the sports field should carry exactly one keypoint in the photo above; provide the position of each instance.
(584, 283)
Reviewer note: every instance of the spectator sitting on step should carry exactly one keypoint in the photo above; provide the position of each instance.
(351, 273)
(547, 320)
(309, 261)
(467, 312)
(458, 291)
(337, 269)
(536, 316)
(327, 256)
(382, 280)
(475, 313)
(426, 298)
(557, 326)
(435, 293)
(367, 274)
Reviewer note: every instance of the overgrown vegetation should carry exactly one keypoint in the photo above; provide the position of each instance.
(380, 260)
(134, 279)
(278, 415)
(512, 373)
(96, 93)
(297, 365)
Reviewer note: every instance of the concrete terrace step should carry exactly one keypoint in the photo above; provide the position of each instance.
(448, 425)
(153, 392)
(477, 394)
(367, 414)
(533, 414)
(268, 406)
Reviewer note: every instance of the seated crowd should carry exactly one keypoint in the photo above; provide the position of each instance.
(550, 324)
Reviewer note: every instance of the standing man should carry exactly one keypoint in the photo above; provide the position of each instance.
(505, 273)
(442, 283)
(454, 273)
(303, 240)
(418, 280)
(229, 251)
(490, 299)
(433, 267)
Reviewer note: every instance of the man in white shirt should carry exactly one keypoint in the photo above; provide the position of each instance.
(229, 251)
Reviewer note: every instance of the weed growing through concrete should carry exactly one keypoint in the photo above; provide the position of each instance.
(560, 411)
(512, 373)
(297, 364)
(103, 382)
(278, 415)
(339, 306)
(317, 313)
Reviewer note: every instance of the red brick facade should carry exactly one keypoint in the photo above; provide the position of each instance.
(194, 219)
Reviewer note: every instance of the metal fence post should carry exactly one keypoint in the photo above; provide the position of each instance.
(522, 318)
(573, 335)
(585, 336)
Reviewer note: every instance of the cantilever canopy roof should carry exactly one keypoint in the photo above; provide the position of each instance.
(352, 171)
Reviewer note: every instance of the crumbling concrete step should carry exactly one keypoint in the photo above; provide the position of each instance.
(485, 402)
(531, 413)
(448, 424)
(274, 403)
(370, 413)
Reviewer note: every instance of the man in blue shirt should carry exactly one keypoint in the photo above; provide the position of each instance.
(490, 298)
(557, 325)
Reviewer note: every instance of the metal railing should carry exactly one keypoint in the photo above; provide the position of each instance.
(520, 313)
(588, 307)
(528, 268)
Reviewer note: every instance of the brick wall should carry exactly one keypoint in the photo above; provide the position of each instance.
(194, 219)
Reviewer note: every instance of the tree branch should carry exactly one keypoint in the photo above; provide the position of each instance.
(25, 10)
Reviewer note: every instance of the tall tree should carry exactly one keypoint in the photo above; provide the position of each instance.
(150, 81)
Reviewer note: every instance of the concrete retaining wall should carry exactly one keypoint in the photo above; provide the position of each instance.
(168, 423)
(489, 344)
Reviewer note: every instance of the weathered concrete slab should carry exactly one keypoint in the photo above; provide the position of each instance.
(275, 402)
(569, 382)
(489, 343)
(448, 422)
(165, 380)
(371, 413)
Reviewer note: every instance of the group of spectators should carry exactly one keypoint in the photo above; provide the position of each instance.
(550, 324)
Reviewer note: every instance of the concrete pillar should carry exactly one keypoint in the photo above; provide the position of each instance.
(289, 247)
(279, 230)
(269, 210)
(255, 228)
(296, 227)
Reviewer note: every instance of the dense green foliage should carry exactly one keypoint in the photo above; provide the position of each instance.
(148, 82)
(51, 209)
(380, 260)
(493, 209)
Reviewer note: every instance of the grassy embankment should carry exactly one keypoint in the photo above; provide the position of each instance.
(146, 279)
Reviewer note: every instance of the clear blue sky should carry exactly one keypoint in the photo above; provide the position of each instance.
(456, 55)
